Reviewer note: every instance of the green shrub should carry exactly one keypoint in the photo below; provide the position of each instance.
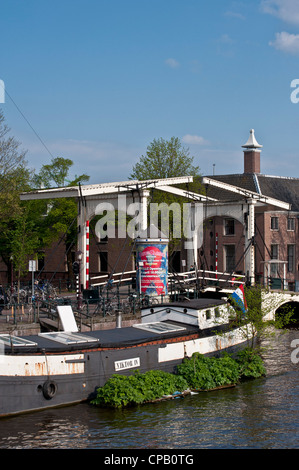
(205, 373)
(250, 364)
(198, 372)
(121, 390)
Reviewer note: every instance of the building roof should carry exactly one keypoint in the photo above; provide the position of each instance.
(252, 142)
(285, 189)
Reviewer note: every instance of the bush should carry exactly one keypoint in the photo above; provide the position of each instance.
(250, 364)
(204, 373)
(198, 372)
(121, 390)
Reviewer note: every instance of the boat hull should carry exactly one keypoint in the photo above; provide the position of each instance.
(32, 382)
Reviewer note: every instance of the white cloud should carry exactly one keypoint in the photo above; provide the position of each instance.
(286, 42)
(286, 10)
(226, 39)
(234, 14)
(102, 161)
(194, 140)
(172, 63)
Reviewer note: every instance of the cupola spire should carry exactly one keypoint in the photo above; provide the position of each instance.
(252, 151)
(252, 142)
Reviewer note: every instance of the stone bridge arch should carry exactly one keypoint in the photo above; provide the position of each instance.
(272, 301)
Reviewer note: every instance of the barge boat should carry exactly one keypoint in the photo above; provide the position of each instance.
(66, 367)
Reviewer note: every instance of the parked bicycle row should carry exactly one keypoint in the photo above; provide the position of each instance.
(101, 304)
(114, 302)
(42, 290)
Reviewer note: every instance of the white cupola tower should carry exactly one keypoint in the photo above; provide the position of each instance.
(252, 155)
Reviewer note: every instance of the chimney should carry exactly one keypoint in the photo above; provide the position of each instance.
(252, 154)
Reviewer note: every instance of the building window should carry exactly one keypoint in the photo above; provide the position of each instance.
(229, 258)
(274, 270)
(291, 258)
(274, 223)
(274, 266)
(40, 264)
(103, 261)
(274, 251)
(291, 223)
(229, 227)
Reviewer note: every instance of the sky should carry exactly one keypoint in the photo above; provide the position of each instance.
(97, 81)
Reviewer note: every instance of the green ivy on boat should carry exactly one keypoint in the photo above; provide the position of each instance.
(198, 373)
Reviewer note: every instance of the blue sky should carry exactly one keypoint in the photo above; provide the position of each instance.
(98, 80)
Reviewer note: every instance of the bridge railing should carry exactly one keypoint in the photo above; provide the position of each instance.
(209, 278)
(186, 278)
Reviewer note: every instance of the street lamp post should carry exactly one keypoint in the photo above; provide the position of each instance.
(79, 257)
(11, 280)
(140, 265)
(77, 273)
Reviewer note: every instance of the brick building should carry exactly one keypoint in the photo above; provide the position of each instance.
(276, 231)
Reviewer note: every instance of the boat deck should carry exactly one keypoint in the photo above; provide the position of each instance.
(114, 338)
(139, 333)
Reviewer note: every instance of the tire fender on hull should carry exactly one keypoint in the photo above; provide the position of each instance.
(49, 389)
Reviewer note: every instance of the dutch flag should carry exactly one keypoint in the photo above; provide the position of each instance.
(239, 298)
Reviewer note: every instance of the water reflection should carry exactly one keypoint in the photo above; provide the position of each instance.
(258, 414)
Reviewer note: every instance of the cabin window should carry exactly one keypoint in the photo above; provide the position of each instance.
(217, 312)
(208, 315)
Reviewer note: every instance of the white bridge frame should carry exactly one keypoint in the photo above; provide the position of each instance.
(200, 207)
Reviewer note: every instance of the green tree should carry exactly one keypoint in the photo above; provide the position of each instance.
(25, 239)
(15, 177)
(56, 174)
(62, 213)
(11, 157)
(254, 321)
(168, 159)
(165, 159)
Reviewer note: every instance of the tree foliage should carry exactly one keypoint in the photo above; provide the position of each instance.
(255, 323)
(62, 212)
(11, 157)
(56, 174)
(168, 159)
(15, 177)
(27, 227)
(165, 159)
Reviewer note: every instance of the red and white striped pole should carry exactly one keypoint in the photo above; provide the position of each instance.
(87, 254)
(216, 255)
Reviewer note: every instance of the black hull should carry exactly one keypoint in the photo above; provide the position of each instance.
(29, 393)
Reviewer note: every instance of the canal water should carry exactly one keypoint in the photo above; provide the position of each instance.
(260, 414)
